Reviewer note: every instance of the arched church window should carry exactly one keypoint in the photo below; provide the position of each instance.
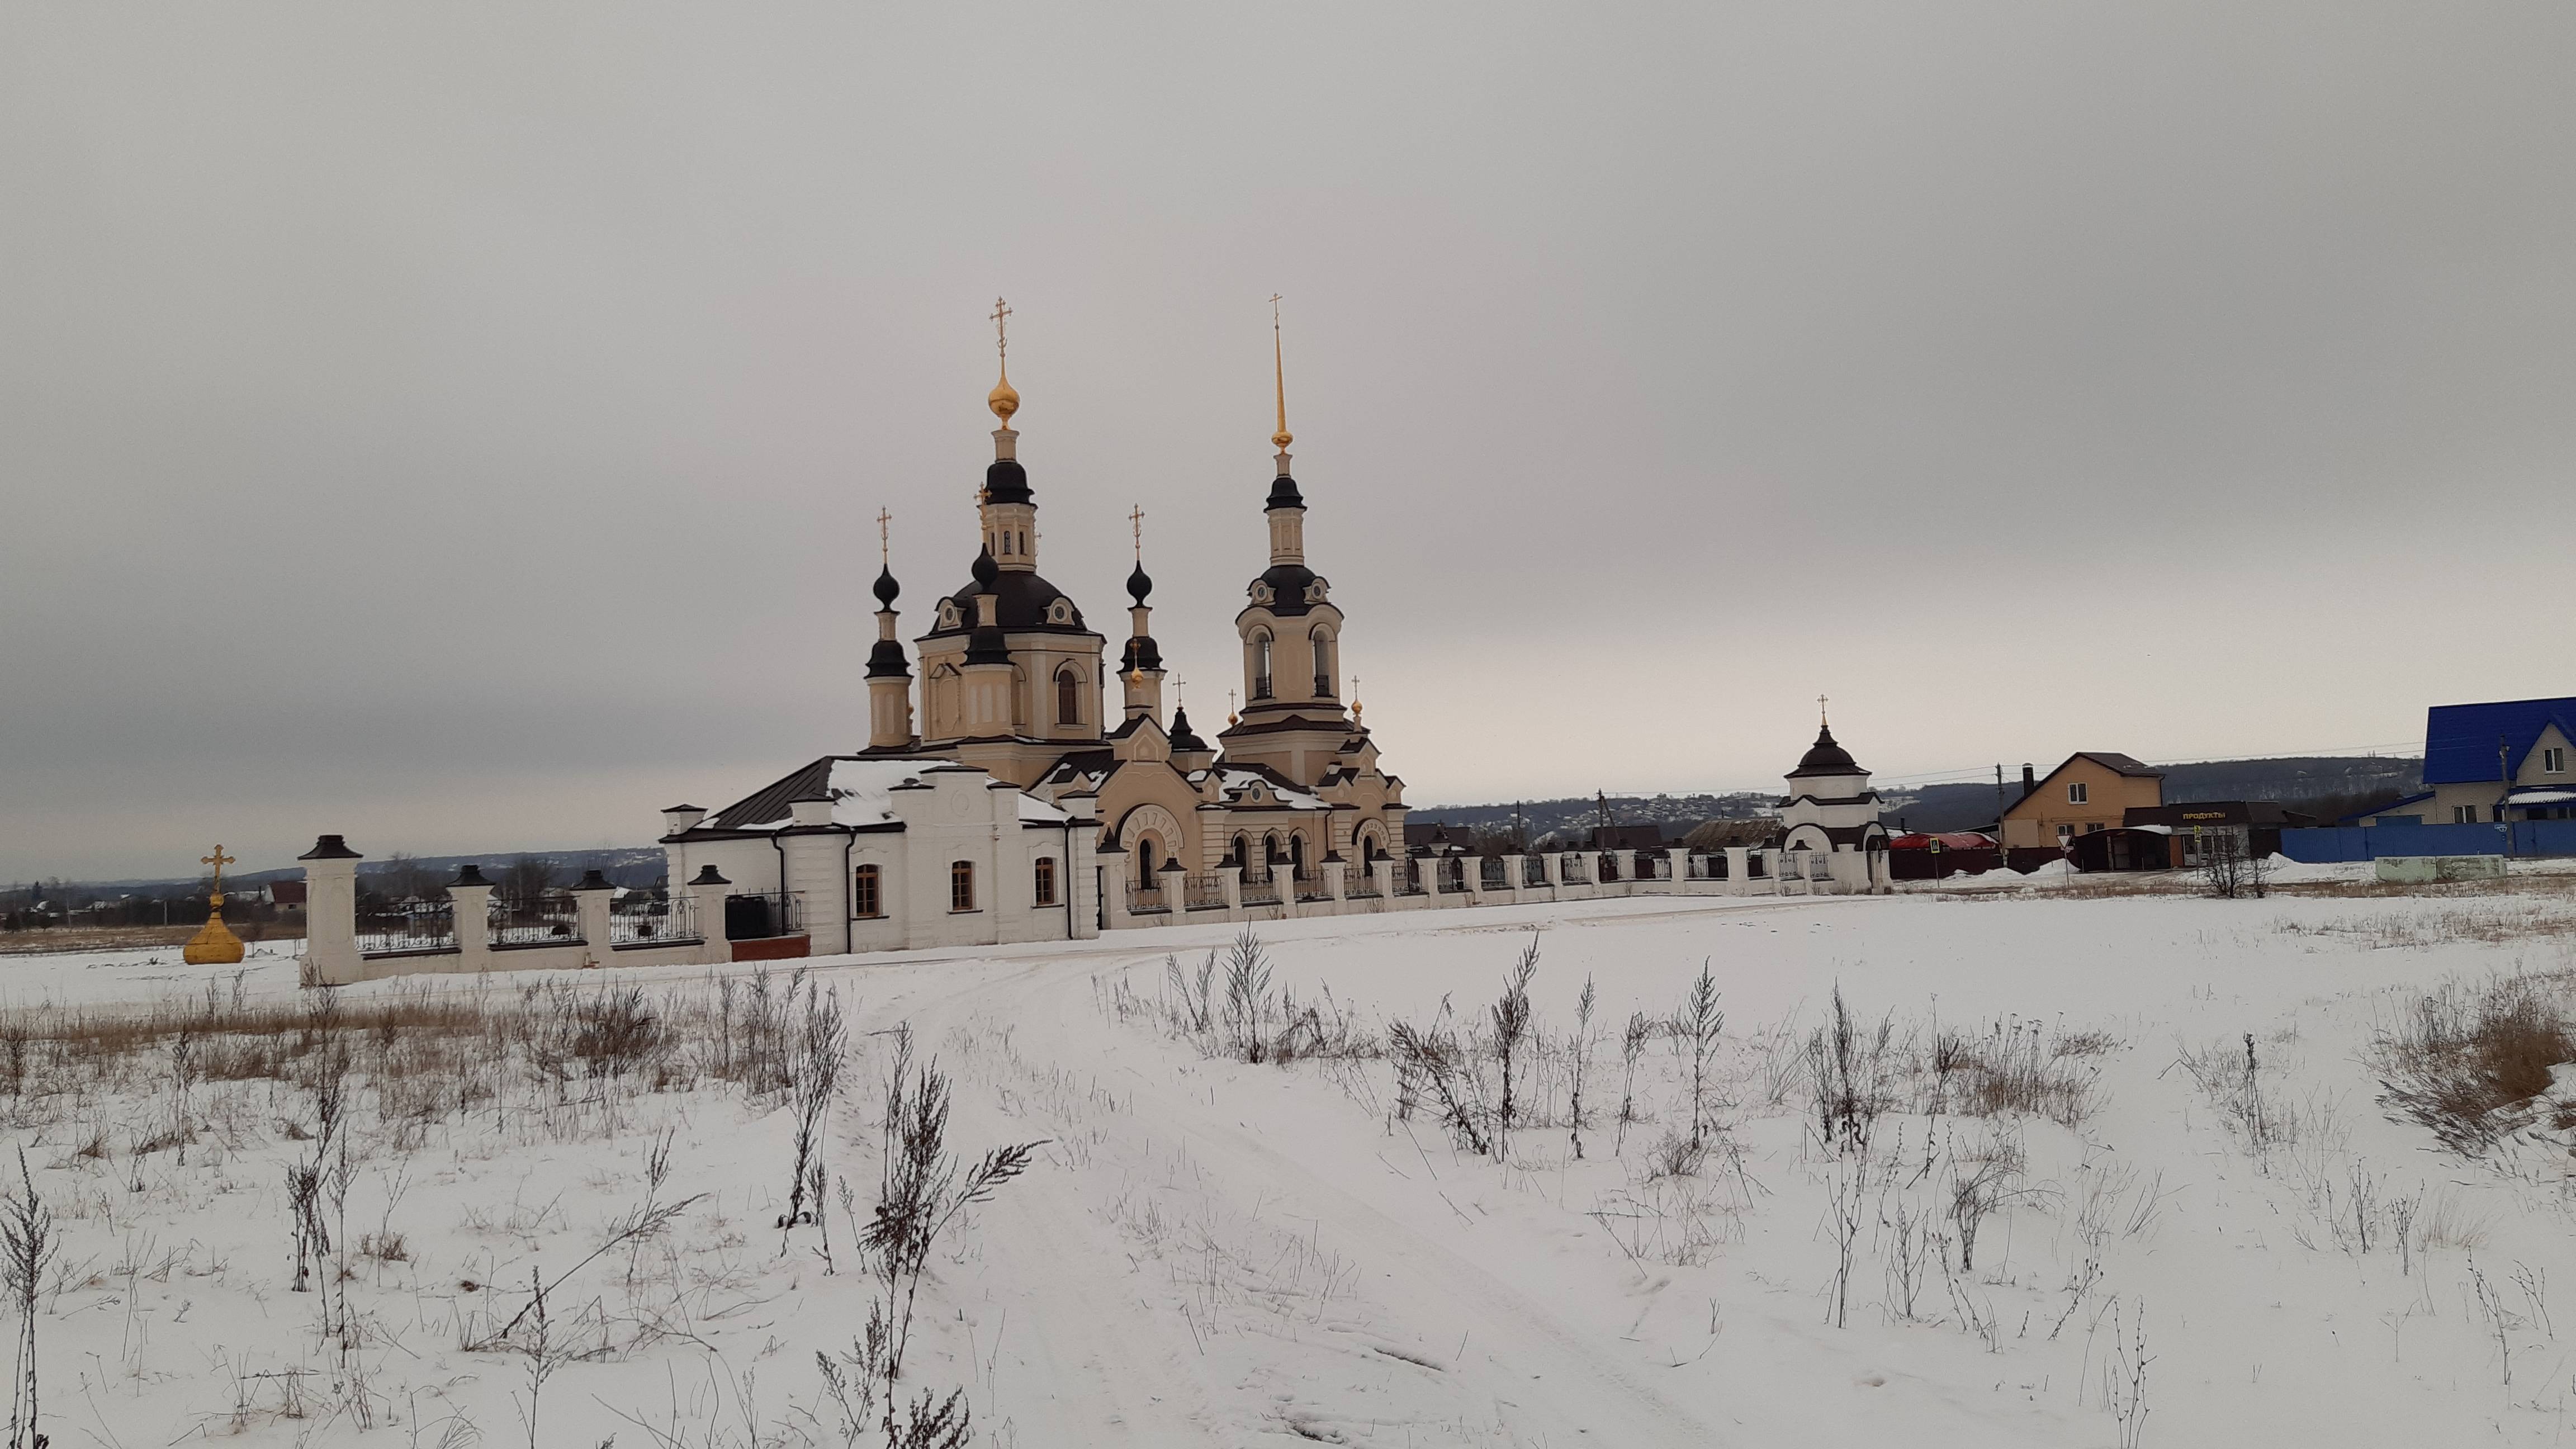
(1145, 859)
(1068, 696)
(1261, 664)
(1324, 662)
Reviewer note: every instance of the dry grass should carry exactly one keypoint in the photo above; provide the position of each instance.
(2464, 1059)
(2491, 922)
(60, 940)
(2017, 1067)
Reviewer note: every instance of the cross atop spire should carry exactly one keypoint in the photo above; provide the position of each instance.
(1821, 721)
(1136, 520)
(219, 860)
(885, 539)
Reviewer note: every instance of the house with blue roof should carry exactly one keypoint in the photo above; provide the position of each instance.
(2491, 763)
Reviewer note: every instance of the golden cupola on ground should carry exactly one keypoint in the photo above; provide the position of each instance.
(214, 944)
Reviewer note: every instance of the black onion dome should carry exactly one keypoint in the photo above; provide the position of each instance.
(1142, 653)
(1284, 494)
(1138, 584)
(985, 570)
(886, 661)
(1023, 603)
(1183, 738)
(1005, 481)
(1826, 758)
(887, 588)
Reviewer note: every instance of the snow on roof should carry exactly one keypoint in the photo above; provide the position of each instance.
(1289, 795)
(2545, 795)
(1033, 808)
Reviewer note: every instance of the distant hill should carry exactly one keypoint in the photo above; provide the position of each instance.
(638, 865)
(2323, 785)
(1569, 818)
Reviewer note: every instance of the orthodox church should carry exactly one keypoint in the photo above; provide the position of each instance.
(1015, 688)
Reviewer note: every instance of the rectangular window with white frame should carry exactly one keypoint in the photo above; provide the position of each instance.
(2075, 793)
(2553, 761)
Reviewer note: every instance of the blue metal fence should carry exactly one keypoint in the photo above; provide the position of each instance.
(2370, 842)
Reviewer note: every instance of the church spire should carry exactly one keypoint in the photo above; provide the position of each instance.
(1141, 671)
(1004, 399)
(1009, 515)
(889, 673)
(1283, 491)
(1279, 376)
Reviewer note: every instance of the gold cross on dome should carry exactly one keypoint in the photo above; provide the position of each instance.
(1137, 520)
(219, 860)
(1001, 320)
(885, 548)
(1820, 709)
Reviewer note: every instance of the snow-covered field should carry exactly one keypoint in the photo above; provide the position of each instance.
(1208, 1251)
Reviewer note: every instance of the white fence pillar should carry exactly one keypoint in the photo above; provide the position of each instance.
(330, 912)
(469, 901)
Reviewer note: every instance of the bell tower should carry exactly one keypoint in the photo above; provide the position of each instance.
(1292, 719)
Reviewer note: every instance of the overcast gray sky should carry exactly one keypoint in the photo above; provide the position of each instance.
(461, 427)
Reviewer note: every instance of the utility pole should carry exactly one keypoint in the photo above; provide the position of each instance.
(2504, 791)
(1999, 805)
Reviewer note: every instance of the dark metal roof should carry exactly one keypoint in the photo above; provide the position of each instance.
(1825, 757)
(1287, 588)
(330, 847)
(771, 803)
(1021, 604)
(1005, 481)
(2118, 763)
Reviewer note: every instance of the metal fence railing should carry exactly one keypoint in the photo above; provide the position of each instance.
(1533, 871)
(1310, 886)
(1261, 892)
(764, 914)
(393, 927)
(1574, 869)
(543, 921)
(1204, 892)
(1145, 900)
(641, 920)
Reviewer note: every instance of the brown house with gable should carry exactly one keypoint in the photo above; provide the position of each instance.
(2094, 790)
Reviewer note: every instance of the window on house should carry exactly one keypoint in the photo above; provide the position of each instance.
(2065, 833)
(1068, 696)
(1046, 880)
(866, 899)
(961, 885)
(2553, 762)
(2075, 792)
(2464, 815)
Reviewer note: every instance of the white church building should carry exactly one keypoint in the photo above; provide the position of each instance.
(1023, 790)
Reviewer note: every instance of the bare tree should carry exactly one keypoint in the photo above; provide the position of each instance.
(529, 877)
(2230, 869)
